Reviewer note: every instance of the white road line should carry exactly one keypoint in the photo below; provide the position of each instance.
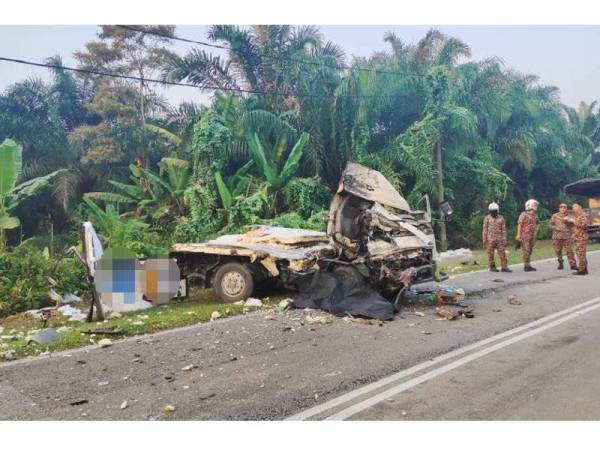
(365, 404)
(352, 395)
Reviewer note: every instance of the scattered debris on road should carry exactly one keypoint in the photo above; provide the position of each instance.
(253, 303)
(124, 405)
(169, 409)
(361, 320)
(188, 367)
(513, 300)
(103, 343)
(322, 319)
(215, 315)
(447, 313)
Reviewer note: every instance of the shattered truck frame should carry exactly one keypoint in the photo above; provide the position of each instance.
(372, 235)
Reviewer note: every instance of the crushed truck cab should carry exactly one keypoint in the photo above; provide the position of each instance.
(372, 234)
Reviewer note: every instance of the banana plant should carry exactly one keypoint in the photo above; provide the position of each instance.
(11, 164)
(151, 192)
(233, 186)
(275, 171)
(11, 194)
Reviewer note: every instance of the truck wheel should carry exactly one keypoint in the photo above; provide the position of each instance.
(233, 282)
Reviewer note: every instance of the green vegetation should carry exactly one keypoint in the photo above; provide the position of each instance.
(288, 110)
(198, 309)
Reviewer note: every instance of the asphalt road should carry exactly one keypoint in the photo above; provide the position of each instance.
(536, 360)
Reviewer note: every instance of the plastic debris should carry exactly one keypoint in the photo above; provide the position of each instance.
(169, 409)
(215, 315)
(70, 298)
(124, 405)
(458, 256)
(103, 343)
(44, 337)
(8, 355)
(189, 367)
(72, 313)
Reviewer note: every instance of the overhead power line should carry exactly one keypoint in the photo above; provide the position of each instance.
(133, 77)
(164, 82)
(272, 58)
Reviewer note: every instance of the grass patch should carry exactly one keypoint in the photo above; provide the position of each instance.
(542, 250)
(197, 309)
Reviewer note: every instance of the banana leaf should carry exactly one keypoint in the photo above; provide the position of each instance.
(11, 164)
(9, 222)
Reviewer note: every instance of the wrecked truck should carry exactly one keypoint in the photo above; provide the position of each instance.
(372, 235)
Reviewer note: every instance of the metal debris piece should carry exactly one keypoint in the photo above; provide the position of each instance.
(513, 300)
(104, 331)
(360, 320)
(322, 319)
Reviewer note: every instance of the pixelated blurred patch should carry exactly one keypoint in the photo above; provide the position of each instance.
(126, 283)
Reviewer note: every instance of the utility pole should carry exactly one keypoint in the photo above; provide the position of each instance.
(440, 188)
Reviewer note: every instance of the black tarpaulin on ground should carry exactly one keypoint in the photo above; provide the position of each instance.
(340, 297)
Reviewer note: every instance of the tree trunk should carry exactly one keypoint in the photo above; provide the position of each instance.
(142, 101)
(440, 188)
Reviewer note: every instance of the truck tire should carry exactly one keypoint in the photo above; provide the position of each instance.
(233, 282)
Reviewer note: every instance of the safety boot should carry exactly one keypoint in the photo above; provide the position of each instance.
(528, 268)
(560, 264)
(493, 269)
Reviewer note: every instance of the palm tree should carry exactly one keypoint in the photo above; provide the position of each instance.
(259, 59)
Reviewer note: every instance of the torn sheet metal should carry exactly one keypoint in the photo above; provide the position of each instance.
(371, 185)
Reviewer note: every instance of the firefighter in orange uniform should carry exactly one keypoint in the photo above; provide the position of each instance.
(561, 237)
(579, 226)
(494, 237)
(527, 227)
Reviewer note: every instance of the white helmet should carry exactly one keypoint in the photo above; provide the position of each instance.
(531, 204)
(493, 207)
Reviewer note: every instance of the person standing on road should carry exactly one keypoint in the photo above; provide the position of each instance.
(494, 237)
(579, 224)
(561, 237)
(527, 227)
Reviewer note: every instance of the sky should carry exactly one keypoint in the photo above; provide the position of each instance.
(563, 56)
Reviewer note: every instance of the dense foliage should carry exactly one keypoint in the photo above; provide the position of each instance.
(287, 112)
